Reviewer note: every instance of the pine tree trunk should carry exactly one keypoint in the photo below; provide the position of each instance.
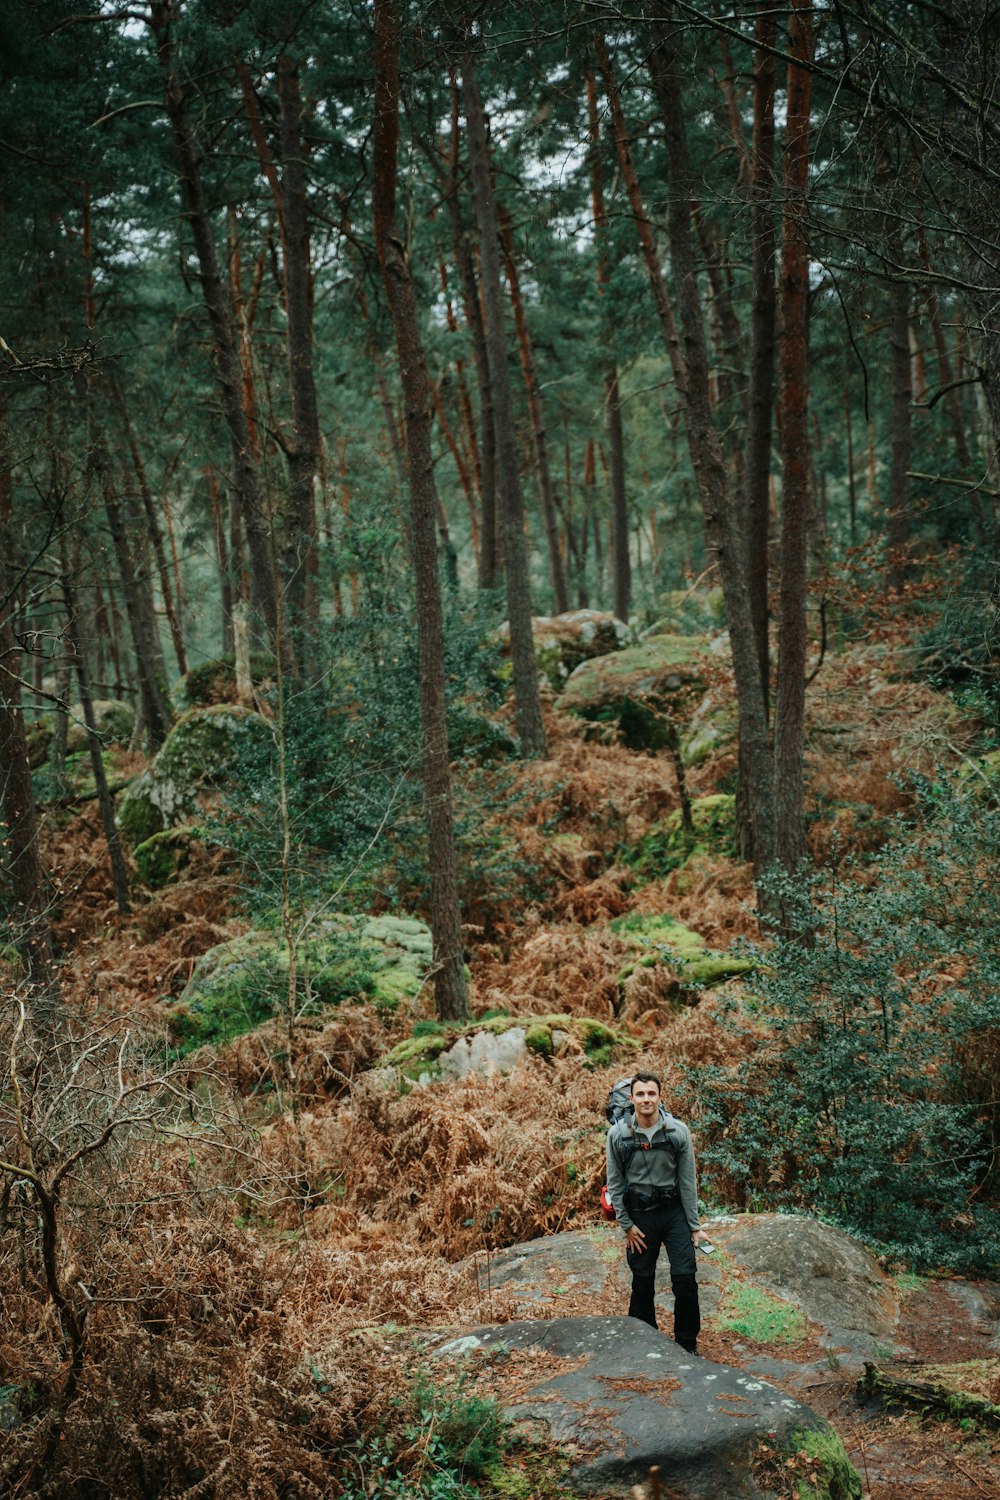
(472, 307)
(789, 714)
(528, 708)
(763, 303)
(621, 560)
(546, 500)
(28, 904)
(902, 421)
(156, 708)
(154, 529)
(451, 996)
(724, 528)
(303, 449)
(225, 344)
(77, 646)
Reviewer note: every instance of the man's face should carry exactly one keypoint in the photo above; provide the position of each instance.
(645, 1101)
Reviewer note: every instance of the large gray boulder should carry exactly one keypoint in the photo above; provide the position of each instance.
(622, 1397)
(832, 1278)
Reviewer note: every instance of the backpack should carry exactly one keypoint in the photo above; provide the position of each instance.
(619, 1102)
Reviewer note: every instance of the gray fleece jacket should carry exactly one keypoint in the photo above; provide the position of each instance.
(650, 1172)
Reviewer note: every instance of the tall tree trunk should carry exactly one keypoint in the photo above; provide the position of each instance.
(546, 499)
(902, 416)
(303, 450)
(472, 307)
(225, 345)
(77, 645)
(761, 383)
(725, 533)
(154, 529)
(531, 730)
(789, 715)
(28, 912)
(156, 708)
(451, 996)
(621, 561)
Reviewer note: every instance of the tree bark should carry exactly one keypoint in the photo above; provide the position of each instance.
(303, 447)
(898, 531)
(155, 700)
(246, 475)
(546, 500)
(155, 531)
(472, 307)
(621, 560)
(451, 996)
(725, 532)
(531, 730)
(29, 905)
(789, 715)
(76, 645)
(763, 304)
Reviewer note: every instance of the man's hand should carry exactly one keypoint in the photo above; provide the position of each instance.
(635, 1239)
(697, 1236)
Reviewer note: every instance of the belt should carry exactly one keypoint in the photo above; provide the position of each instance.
(643, 1202)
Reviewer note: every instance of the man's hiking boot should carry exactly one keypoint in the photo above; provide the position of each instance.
(689, 1348)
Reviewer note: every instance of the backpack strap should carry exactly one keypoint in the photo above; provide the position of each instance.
(626, 1144)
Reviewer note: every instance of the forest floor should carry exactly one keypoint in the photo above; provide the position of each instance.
(869, 725)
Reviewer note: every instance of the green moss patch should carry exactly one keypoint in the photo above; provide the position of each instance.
(758, 1316)
(215, 681)
(241, 983)
(659, 938)
(166, 855)
(666, 847)
(812, 1463)
(642, 690)
(200, 751)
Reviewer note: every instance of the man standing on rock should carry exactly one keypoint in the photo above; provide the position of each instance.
(652, 1186)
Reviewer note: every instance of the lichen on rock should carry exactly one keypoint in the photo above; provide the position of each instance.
(200, 752)
(641, 691)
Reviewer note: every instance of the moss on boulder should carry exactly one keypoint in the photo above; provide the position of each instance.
(166, 855)
(200, 752)
(562, 642)
(641, 690)
(241, 983)
(661, 939)
(214, 681)
(666, 846)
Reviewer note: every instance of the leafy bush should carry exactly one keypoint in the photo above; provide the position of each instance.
(960, 653)
(873, 1050)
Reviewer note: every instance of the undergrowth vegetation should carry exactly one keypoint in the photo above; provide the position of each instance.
(874, 1098)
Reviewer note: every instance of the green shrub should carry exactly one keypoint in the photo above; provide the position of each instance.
(868, 1092)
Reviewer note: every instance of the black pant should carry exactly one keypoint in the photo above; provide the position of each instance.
(665, 1224)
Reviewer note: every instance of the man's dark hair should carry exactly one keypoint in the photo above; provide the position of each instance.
(645, 1078)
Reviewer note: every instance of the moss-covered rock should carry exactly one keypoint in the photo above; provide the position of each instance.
(456, 1050)
(215, 681)
(198, 753)
(642, 690)
(562, 642)
(113, 720)
(666, 847)
(166, 855)
(660, 939)
(241, 983)
(826, 1471)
